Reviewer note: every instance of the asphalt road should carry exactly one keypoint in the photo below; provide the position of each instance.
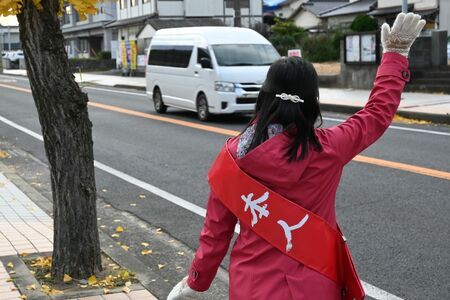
(396, 222)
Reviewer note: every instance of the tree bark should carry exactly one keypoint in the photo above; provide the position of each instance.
(67, 132)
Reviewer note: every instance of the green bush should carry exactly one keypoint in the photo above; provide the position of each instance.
(321, 48)
(286, 35)
(363, 23)
(104, 55)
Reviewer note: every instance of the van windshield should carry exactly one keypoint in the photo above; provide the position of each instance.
(245, 55)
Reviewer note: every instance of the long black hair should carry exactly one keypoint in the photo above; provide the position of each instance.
(294, 76)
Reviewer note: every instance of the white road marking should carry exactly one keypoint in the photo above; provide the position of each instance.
(398, 127)
(371, 291)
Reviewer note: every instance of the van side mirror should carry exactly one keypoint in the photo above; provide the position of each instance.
(205, 63)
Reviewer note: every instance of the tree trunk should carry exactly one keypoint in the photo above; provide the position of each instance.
(67, 131)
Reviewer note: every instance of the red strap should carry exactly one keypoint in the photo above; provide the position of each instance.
(289, 227)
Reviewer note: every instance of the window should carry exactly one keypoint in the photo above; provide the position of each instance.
(67, 12)
(146, 1)
(244, 3)
(170, 56)
(123, 4)
(133, 2)
(245, 55)
(202, 53)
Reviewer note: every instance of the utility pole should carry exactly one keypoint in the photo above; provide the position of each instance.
(237, 13)
(405, 6)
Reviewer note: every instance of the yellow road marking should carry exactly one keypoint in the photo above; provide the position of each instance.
(232, 133)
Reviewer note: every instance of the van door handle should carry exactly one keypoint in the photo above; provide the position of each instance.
(196, 72)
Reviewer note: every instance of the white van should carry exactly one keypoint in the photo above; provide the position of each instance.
(210, 70)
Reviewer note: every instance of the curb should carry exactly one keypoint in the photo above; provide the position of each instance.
(134, 87)
(350, 109)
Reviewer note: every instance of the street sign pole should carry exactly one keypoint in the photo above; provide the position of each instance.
(405, 6)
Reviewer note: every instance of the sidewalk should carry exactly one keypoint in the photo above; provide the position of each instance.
(26, 228)
(429, 107)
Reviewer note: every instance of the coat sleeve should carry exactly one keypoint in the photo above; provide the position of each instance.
(215, 239)
(363, 128)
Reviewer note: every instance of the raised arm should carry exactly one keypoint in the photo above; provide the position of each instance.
(366, 126)
(215, 240)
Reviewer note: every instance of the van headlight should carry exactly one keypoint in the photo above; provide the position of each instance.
(222, 86)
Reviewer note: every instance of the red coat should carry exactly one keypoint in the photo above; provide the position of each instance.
(258, 270)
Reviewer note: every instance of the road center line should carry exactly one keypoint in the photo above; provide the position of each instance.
(232, 133)
(371, 290)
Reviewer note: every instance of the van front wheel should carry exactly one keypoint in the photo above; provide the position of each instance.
(158, 103)
(202, 108)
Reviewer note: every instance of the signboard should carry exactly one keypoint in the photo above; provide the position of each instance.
(295, 52)
(362, 48)
(124, 54)
(129, 54)
(352, 50)
(368, 48)
(133, 54)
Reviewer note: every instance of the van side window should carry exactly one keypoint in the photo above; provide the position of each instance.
(202, 53)
(170, 56)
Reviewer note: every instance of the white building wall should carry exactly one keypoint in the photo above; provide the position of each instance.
(306, 20)
(202, 8)
(418, 4)
(170, 8)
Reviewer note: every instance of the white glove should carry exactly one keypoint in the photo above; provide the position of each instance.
(182, 291)
(404, 32)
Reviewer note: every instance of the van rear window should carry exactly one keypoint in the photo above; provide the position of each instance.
(170, 56)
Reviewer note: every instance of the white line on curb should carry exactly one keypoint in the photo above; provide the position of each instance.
(116, 91)
(371, 291)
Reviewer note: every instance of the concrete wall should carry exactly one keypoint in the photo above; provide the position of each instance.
(444, 15)
(418, 4)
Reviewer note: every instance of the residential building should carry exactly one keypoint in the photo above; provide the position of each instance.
(86, 38)
(9, 34)
(138, 20)
(387, 10)
(309, 14)
(344, 15)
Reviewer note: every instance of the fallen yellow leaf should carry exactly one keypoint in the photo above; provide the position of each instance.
(104, 190)
(23, 297)
(105, 291)
(67, 278)
(145, 244)
(119, 229)
(23, 254)
(126, 289)
(142, 196)
(146, 252)
(92, 280)
(159, 231)
(125, 247)
(114, 235)
(180, 253)
(48, 275)
(10, 265)
(4, 154)
(132, 204)
(31, 287)
(162, 266)
(12, 272)
(128, 283)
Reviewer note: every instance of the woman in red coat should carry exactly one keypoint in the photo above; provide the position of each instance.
(282, 149)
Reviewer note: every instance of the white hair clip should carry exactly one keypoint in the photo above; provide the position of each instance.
(292, 98)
